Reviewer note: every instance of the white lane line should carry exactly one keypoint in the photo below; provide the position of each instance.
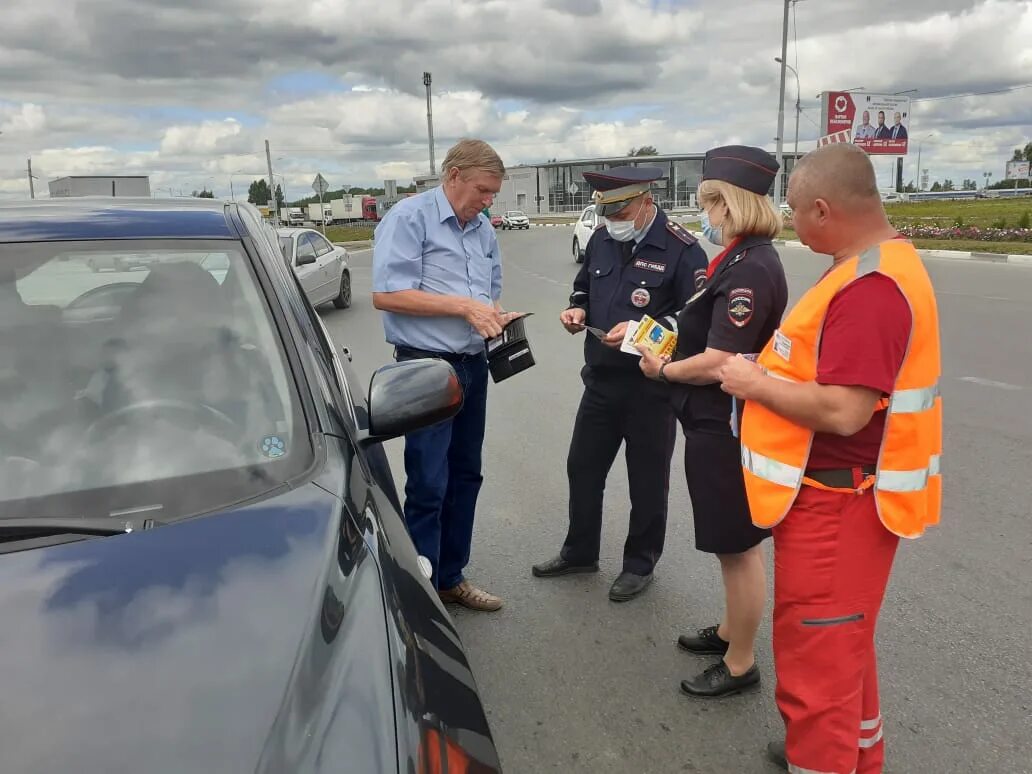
(989, 383)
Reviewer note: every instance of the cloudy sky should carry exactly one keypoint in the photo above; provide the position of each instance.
(188, 91)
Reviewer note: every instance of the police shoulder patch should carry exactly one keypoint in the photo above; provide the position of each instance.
(700, 278)
(740, 305)
(681, 232)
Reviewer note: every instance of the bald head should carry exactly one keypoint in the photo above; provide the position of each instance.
(839, 173)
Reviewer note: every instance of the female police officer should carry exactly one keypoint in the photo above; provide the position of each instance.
(736, 311)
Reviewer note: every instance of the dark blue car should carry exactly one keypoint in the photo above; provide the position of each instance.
(204, 568)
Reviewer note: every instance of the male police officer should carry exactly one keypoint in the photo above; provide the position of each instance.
(640, 263)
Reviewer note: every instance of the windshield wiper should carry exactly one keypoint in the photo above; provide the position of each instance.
(25, 533)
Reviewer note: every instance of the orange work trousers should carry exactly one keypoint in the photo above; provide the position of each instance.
(832, 559)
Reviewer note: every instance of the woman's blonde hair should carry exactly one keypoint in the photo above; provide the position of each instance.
(748, 213)
(469, 155)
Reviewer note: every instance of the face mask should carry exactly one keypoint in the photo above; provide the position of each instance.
(713, 233)
(624, 230)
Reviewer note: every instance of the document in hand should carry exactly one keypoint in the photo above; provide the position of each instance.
(509, 353)
(660, 341)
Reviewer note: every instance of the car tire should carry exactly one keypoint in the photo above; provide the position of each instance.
(343, 299)
(578, 256)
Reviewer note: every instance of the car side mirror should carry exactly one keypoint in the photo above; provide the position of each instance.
(305, 260)
(411, 395)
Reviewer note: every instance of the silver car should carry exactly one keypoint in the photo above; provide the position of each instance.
(320, 266)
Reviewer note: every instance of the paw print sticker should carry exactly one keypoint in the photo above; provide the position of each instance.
(272, 446)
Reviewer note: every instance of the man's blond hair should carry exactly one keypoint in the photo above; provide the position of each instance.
(748, 213)
(468, 155)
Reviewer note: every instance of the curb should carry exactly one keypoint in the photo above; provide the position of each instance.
(552, 225)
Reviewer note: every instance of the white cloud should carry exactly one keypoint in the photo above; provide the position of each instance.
(90, 89)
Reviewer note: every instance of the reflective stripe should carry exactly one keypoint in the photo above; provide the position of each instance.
(869, 261)
(867, 743)
(771, 470)
(913, 401)
(907, 480)
(870, 725)
(793, 769)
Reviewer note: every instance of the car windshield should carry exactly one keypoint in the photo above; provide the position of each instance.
(515, 214)
(139, 375)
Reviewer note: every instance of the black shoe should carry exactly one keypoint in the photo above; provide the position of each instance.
(706, 642)
(560, 566)
(776, 754)
(628, 586)
(717, 681)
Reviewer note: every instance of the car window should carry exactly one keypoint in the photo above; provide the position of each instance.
(305, 248)
(588, 217)
(128, 365)
(322, 247)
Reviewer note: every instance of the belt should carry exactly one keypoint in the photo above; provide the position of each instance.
(450, 357)
(842, 478)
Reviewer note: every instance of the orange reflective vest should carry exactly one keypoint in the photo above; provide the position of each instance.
(775, 451)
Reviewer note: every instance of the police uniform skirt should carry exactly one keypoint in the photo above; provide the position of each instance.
(713, 468)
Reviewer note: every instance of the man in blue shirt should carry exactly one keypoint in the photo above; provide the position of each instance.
(437, 277)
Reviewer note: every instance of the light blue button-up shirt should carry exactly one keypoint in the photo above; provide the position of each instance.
(421, 246)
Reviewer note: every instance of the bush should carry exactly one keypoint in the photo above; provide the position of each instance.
(959, 222)
(1025, 221)
(1000, 223)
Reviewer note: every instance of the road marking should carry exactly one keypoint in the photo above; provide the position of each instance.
(989, 383)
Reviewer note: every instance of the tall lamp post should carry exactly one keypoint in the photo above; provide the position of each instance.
(798, 107)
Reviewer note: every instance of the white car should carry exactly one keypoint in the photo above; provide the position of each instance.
(586, 224)
(321, 267)
(515, 219)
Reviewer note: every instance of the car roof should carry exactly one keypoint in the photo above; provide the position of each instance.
(89, 217)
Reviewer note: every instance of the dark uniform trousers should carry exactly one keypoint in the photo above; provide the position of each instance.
(620, 406)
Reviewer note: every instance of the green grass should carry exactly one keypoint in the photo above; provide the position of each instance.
(977, 212)
(963, 245)
(349, 233)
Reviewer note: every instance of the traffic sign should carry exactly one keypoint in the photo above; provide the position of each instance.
(320, 186)
(573, 189)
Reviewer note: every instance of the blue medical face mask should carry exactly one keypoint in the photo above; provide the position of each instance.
(625, 230)
(714, 234)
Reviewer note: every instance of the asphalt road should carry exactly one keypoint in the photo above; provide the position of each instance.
(575, 683)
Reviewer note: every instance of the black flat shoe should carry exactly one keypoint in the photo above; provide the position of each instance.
(559, 566)
(717, 681)
(705, 642)
(776, 754)
(628, 586)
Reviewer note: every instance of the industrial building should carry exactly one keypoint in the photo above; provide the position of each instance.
(100, 185)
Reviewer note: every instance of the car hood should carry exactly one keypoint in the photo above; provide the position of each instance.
(251, 640)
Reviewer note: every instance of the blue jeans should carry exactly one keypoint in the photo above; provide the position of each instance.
(443, 478)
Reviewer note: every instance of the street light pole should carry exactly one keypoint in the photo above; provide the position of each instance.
(781, 111)
(798, 108)
(427, 80)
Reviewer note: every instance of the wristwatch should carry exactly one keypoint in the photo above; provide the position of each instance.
(662, 376)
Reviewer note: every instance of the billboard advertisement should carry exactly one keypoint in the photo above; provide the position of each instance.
(878, 123)
(1017, 170)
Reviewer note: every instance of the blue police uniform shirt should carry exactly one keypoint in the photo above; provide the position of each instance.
(420, 245)
(619, 281)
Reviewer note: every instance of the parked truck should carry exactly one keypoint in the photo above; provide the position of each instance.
(317, 213)
(292, 216)
(347, 209)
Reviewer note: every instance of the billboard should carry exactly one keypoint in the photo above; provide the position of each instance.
(878, 123)
(1017, 170)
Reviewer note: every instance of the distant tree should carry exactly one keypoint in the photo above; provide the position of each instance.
(279, 196)
(970, 185)
(947, 185)
(258, 192)
(910, 187)
(1023, 154)
(936, 187)
(203, 194)
(644, 150)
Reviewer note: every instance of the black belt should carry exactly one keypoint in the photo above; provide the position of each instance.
(841, 478)
(410, 353)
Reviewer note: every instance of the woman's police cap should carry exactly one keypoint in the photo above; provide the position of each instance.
(615, 187)
(741, 165)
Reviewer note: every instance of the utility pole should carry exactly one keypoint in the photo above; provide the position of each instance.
(32, 188)
(427, 80)
(273, 209)
(779, 180)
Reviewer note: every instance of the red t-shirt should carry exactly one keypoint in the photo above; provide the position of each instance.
(863, 344)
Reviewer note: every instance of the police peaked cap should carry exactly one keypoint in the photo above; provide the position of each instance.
(617, 186)
(740, 165)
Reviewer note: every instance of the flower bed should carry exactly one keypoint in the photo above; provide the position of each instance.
(973, 233)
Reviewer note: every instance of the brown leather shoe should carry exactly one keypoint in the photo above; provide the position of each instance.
(468, 595)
